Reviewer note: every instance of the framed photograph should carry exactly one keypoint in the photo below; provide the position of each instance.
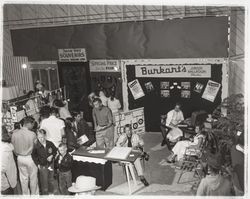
(185, 94)
(164, 85)
(165, 93)
(185, 85)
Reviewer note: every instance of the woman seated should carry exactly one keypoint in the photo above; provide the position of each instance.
(194, 143)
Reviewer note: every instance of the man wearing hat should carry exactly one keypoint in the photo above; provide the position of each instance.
(84, 185)
(214, 184)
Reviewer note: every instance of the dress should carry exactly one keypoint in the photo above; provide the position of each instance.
(180, 147)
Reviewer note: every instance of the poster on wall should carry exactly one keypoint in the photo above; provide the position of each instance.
(185, 94)
(136, 89)
(164, 85)
(165, 93)
(149, 87)
(185, 85)
(198, 87)
(211, 91)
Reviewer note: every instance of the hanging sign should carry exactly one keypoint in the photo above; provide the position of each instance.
(136, 89)
(72, 55)
(104, 66)
(211, 91)
(176, 70)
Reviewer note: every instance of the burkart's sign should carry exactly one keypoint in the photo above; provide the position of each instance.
(174, 70)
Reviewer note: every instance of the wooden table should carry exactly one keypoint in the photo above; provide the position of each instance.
(83, 155)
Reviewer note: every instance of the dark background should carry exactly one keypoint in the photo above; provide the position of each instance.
(155, 105)
(196, 37)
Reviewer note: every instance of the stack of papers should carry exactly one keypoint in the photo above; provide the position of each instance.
(121, 153)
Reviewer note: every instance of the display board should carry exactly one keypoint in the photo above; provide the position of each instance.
(165, 91)
(133, 117)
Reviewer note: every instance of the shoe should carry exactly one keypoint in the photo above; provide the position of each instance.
(163, 142)
(144, 181)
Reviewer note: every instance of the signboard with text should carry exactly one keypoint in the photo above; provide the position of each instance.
(104, 66)
(174, 70)
(72, 55)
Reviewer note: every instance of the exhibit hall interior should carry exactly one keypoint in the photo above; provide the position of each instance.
(123, 100)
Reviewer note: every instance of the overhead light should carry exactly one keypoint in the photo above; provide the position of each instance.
(24, 66)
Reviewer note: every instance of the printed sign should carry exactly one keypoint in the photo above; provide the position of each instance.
(104, 66)
(211, 90)
(136, 89)
(72, 55)
(198, 87)
(168, 70)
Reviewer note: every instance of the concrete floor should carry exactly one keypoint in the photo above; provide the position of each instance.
(161, 176)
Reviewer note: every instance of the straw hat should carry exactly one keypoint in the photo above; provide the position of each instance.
(84, 183)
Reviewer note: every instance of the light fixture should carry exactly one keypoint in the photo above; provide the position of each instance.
(24, 66)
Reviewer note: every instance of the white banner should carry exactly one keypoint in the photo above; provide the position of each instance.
(174, 70)
(72, 55)
(211, 91)
(104, 66)
(136, 89)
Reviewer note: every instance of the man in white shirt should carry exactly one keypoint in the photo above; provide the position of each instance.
(54, 127)
(129, 139)
(174, 117)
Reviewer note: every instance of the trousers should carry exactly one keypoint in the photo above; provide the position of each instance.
(105, 138)
(46, 178)
(28, 175)
(64, 181)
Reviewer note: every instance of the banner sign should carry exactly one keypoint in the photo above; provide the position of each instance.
(174, 70)
(104, 66)
(136, 89)
(211, 91)
(72, 55)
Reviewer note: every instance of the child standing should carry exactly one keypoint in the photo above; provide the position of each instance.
(63, 163)
(43, 155)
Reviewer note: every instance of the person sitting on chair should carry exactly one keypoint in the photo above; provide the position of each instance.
(193, 144)
(174, 117)
(129, 139)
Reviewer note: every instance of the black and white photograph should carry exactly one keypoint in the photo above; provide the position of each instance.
(185, 94)
(185, 85)
(165, 93)
(124, 98)
(149, 87)
(164, 85)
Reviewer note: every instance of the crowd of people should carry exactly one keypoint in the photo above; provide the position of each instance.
(39, 148)
(36, 155)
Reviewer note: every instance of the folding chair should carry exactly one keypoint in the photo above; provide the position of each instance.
(191, 162)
